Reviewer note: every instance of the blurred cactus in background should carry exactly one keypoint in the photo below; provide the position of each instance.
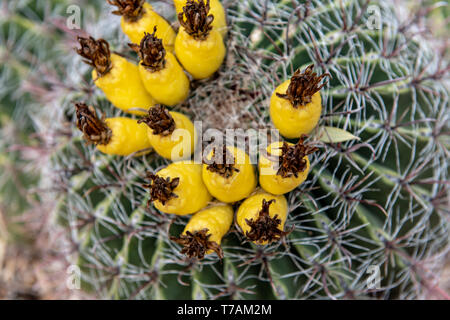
(378, 203)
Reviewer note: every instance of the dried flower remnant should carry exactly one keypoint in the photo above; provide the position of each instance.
(198, 22)
(96, 53)
(225, 165)
(161, 189)
(151, 51)
(131, 10)
(265, 228)
(94, 130)
(160, 120)
(292, 160)
(303, 86)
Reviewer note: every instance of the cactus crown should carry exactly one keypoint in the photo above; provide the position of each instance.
(151, 51)
(223, 163)
(292, 158)
(160, 120)
(161, 189)
(96, 53)
(94, 129)
(265, 228)
(303, 86)
(197, 244)
(198, 22)
(131, 10)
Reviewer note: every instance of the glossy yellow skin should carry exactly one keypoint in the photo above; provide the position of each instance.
(293, 122)
(123, 86)
(178, 145)
(217, 219)
(236, 187)
(276, 184)
(200, 58)
(127, 137)
(216, 9)
(250, 208)
(191, 191)
(135, 30)
(168, 86)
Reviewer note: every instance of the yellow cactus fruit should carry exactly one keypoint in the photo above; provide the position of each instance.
(116, 136)
(172, 134)
(285, 166)
(262, 217)
(178, 188)
(118, 78)
(229, 174)
(216, 9)
(162, 75)
(205, 230)
(296, 104)
(199, 48)
(139, 17)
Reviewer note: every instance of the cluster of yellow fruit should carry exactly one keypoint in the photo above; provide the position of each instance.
(226, 174)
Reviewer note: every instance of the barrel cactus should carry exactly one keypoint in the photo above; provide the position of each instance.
(374, 203)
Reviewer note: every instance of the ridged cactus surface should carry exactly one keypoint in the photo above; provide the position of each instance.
(376, 201)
